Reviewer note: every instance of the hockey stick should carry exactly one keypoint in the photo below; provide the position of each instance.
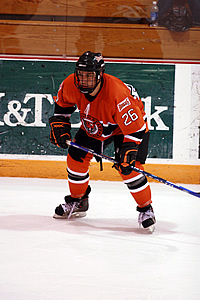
(181, 188)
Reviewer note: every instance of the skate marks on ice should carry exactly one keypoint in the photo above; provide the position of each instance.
(78, 225)
(111, 208)
(87, 226)
(102, 256)
(108, 257)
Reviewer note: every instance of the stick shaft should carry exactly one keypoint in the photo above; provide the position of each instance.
(157, 178)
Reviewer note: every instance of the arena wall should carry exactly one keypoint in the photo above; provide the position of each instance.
(40, 41)
(170, 91)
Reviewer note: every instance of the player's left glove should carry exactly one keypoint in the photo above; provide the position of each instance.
(60, 131)
(128, 154)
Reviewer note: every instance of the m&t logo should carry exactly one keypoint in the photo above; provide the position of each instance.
(17, 115)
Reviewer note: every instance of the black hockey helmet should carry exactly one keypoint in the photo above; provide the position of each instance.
(89, 62)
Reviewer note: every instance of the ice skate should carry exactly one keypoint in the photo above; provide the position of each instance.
(146, 218)
(73, 207)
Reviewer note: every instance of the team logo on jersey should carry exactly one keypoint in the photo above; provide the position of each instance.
(92, 126)
(126, 102)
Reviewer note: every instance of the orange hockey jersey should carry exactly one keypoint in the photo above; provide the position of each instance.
(115, 110)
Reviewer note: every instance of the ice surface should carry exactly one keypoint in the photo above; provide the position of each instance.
(102, 256)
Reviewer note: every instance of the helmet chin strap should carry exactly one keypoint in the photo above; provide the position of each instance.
(96, 90)
(92, 96)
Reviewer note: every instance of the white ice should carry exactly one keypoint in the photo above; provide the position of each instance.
(104, 256)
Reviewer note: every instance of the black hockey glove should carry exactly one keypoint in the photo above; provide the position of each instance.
(128, 154)
(60, 131)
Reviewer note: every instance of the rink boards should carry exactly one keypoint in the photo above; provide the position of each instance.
(169, 91)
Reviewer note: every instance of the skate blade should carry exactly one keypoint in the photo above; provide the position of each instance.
(73, 216)
(150, 229)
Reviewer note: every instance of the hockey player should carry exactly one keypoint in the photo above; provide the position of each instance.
(110, 111)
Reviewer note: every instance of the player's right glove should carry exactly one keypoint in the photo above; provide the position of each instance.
(60, 131)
